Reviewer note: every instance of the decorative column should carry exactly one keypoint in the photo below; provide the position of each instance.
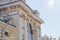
(38, 30)
(34, 35)
(26, 30)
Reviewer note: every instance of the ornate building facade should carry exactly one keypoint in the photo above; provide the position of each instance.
(18, 21)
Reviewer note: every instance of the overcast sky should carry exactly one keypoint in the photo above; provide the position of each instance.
(50, 13)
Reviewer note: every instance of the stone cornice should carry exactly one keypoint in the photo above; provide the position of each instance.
(6, 26)
(25, 8)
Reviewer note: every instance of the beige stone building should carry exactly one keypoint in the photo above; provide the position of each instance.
(58, 38)
(18, 21)
(45, 37)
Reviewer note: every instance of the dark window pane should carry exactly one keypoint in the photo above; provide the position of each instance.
(6, 33)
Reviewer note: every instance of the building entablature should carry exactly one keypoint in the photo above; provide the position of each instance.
(25, 8)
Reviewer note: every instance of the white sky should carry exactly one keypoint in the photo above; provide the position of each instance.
(50, 13)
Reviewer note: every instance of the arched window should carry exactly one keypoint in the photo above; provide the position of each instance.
(30, 36)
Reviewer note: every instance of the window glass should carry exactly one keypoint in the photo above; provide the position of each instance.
(30, 37)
